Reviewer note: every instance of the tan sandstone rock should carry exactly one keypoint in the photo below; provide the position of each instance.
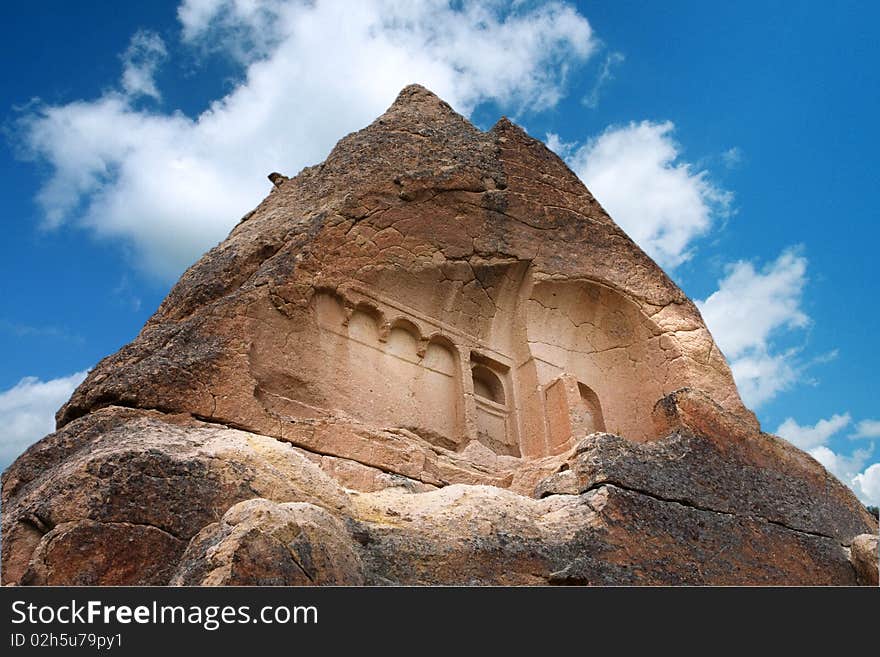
(431, 359)
(262, 543)
(864, 558)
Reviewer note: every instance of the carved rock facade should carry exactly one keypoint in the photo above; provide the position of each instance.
(432, 358)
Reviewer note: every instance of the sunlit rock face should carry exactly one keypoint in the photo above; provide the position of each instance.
(435, 321)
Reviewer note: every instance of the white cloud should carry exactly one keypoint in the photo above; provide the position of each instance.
(761, 376)
(750, 305)
(806, 436)
(606, 74)
(867, 485)
(562, 148)
(27, 412)
(867, 429)
(171, 186)
(198, 16)
(140, 61)
(748, 311)
(845, 468)
(244, 29)
(663, 203)
(732, 157)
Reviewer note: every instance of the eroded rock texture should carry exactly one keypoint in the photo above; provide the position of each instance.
(433, 358)
(864, 558)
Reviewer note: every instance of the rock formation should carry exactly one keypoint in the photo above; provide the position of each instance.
(432, 359)
(864, 558)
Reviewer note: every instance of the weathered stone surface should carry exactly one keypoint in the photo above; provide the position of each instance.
(431, 359)
(121, 467)
(460, 534)
(864, 559)
(262, 543)
(357, 476)
(89, 553)
(699, 465)
(462, 240)
(645, 540)
(484, 535)
(303, 528)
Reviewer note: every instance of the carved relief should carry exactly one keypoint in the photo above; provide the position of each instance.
(603, 340)
(572, 411)
(495, 421)
(549, 362)
(383, 369)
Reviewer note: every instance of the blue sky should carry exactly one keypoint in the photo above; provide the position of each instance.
(735, 142)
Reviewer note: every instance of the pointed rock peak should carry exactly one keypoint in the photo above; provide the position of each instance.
(416, 98)
(416, 92)
(416, 105)
(503, 124)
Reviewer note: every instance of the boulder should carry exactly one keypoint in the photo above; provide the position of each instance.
(864, 558)
(265, 543)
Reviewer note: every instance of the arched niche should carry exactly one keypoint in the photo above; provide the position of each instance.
(441, 356)
(488, 385)
(495, 420)
(604, 341)
(586, 415)
(572, 411)
(384, 372)
(437, 396)
(403, 340)
(329, 309)
(364, 324)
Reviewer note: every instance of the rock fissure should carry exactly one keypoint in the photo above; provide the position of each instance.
(689, 504)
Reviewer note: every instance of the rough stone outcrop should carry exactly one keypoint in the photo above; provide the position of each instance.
(150, 479)
(700, 466)
(431, 359)
(263, 543)
(198, 503)
(864, 559)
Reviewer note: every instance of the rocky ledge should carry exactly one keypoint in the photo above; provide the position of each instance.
(128, 496)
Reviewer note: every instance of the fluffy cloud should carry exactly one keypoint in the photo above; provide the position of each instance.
(245, 29)
(663, 203)
(555, 143)
(140, 61)
(807, 436)
(752, 307)
(845, 468)
(867, 429)
(27, 412)
(867, 485)
(762, 376)
(171, 186)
